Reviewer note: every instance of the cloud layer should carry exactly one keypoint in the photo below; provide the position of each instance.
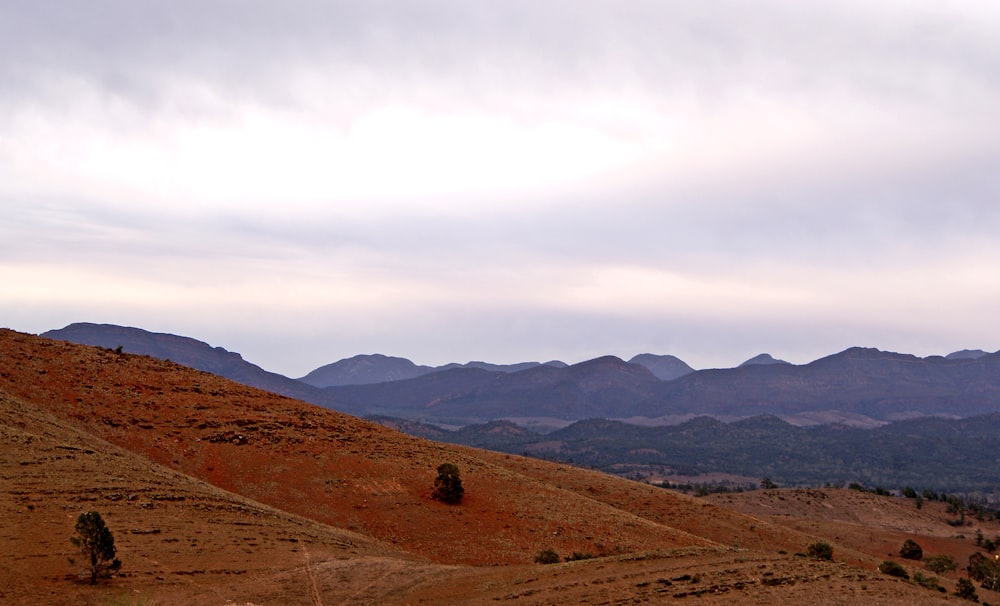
(451, 180)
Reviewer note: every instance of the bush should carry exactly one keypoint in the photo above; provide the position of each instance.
(96, 545)
(547, 556)
(579, 556)
(911, 550)
(893, 569)
(820, 550)
(940, 563)
(928, 582)
(448, 486)
(966, 590)
(985, 570)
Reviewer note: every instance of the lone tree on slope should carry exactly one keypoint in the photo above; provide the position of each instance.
(96, 544)
(911, 550)
(447, 485)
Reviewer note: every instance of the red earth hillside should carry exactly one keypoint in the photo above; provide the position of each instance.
(315, 462)
(201, 480)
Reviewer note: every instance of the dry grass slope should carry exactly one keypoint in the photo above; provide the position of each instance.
(222, 494)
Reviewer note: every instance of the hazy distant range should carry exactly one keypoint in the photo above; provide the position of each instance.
(858, 386)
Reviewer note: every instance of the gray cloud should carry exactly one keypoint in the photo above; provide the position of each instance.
(715, 50)
(780, 145)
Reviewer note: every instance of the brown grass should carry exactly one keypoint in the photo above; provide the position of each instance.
(223, 494)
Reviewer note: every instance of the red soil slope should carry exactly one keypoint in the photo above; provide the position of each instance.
(223, 494)
(318, 463)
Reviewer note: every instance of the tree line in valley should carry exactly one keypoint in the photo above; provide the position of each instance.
(960, 456)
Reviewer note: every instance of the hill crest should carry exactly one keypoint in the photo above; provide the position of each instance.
(366, 530)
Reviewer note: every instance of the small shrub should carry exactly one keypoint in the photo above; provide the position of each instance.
(820, 550)
(547, 556)
(893, 569)
(911, 550)
(966, 590)
(928, 582)
(579, 556)
(940, 563)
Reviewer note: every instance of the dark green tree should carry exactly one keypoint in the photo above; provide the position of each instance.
(911, 550)
(448, 486)
(820, 550)
(966, 590)
(96, 545)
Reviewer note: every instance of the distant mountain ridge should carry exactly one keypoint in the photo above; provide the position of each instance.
(967, 354)
(187, 351)
(865, 385)
(764, 358)
(666, 368)
(366, 369)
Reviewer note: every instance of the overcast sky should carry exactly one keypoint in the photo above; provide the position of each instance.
(507, 180)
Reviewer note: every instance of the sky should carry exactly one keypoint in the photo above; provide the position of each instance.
(505, 181)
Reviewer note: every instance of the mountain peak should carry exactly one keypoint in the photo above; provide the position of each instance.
(364, 369)
(664, 367)
(763, 359)
(967, 354)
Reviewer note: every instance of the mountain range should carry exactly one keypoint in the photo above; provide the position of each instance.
(220, 493)
(862, 386)
(365, 369)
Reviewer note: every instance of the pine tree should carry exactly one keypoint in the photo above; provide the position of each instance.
(96, 544)
(447, 485)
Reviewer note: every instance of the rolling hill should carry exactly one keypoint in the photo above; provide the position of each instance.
(222, 493)
(187, 351)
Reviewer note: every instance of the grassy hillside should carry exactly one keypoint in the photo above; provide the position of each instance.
(223, 494)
